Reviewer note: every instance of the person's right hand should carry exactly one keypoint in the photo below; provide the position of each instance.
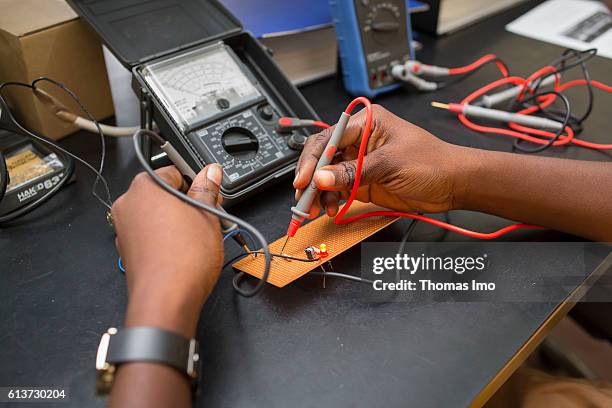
(405, 167)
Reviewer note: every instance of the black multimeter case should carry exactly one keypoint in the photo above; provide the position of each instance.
(175, 50)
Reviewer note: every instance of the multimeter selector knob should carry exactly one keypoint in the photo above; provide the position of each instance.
(384, 23)
(240, 143)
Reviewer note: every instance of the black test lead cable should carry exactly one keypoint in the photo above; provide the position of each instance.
(99, 177)
(568, 60)
(240, 275)
(561, 63)
(66, 155)
(566, 119)
(138, 138)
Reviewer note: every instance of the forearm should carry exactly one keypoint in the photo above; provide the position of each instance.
(155, 385)
(567, 195)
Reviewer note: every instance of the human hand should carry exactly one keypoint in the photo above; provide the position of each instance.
(172, 252)
(405, 167)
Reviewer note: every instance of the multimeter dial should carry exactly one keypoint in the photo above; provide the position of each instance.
(383, 22)
(383, 30)
(244, 144)
(240, 143)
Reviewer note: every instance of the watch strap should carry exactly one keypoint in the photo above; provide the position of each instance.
(150, 344)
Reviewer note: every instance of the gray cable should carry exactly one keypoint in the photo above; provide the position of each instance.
(342, 276)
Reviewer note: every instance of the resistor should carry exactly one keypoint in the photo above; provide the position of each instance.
(312, 252)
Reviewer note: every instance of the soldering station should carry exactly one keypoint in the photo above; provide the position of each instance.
(214, 95)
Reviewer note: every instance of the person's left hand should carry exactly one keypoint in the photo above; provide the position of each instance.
(172, 251)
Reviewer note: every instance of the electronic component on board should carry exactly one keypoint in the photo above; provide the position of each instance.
(339, 238)
(323, 251)
(312, 252)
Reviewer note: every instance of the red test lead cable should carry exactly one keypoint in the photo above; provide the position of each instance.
(365, 135)
(530, 134)
(478, 63)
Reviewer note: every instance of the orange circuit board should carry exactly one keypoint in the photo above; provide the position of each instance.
(337, 238)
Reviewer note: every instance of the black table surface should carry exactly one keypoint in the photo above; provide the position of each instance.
(302, 345)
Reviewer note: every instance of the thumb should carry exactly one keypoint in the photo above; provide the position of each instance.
(205, 186)
(341, 176)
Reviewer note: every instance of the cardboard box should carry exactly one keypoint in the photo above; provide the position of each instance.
(46, 38)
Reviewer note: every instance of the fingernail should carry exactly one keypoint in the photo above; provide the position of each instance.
(215, 174)
(297, 174)
(325, 178)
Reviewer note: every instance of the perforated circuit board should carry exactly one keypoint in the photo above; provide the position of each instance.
(338, 239)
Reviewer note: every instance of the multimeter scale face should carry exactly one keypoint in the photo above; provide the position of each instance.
(384, 37)
(196, 86)
(222, 112)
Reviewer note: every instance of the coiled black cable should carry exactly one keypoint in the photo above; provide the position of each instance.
(559, 132)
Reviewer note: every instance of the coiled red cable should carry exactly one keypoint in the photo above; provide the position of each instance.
(536, 136)
(478, 63)
(365, 135)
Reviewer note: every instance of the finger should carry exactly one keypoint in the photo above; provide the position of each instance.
(171, 175)
(298, 192)
(315, 145)
(342, 176)
(310, 156)
(336, 160)
(315, 209)
(350, 153)
(205, 186)
(329, 200)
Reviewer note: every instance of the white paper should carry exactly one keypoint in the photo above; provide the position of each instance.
(577, 24)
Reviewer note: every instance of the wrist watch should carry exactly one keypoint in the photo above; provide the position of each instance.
(144, 344)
